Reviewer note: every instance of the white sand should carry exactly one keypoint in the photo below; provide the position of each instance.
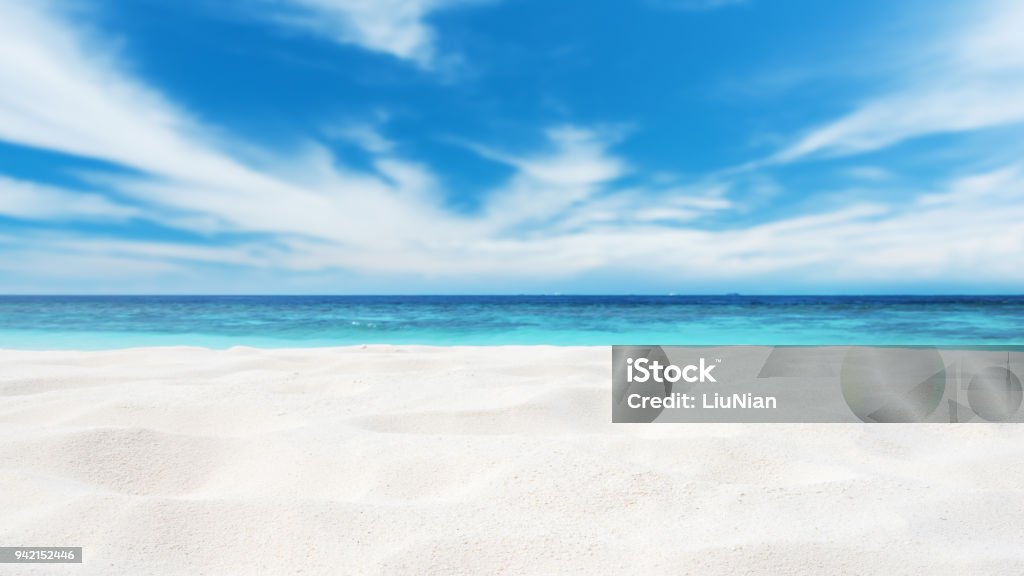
(416, 460)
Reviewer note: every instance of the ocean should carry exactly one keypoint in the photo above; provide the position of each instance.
(107, 322)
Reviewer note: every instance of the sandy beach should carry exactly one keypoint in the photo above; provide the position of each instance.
(420, 460)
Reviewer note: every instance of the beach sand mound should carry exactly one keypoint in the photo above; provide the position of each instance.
(418, 460)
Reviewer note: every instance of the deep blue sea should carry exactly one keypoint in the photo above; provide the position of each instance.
(103, 322)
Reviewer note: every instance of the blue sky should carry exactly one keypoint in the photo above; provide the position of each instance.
(482, 146)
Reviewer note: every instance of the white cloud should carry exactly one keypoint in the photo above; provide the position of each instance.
(577, 157)
(395, 27)
(388, 218)
(64, 93)
(972, 79)
(671, 207)
(364, 135)
(576, 165)
(31, 201)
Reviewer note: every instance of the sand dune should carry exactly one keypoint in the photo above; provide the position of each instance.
(418, 460)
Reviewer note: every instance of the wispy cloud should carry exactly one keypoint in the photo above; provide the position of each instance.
(30, 201)
(574, 166)
(362, 134)
(399, 28)
(971, 78)
(577, 157)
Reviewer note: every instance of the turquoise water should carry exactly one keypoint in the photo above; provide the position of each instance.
(104, 322)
